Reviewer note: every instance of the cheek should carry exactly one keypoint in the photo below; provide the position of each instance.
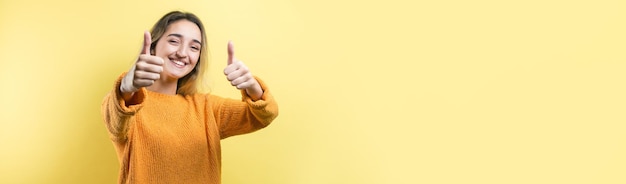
(163, 50)
(194, 57)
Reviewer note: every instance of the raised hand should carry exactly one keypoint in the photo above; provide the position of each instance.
(146, 70)
(239, 75)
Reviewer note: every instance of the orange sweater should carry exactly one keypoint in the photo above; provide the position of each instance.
(176, 139)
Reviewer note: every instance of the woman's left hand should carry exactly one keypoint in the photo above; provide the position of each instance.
(239, 75)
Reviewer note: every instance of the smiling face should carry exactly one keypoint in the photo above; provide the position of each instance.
(180, 48)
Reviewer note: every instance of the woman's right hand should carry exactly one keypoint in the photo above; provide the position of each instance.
(146, 70)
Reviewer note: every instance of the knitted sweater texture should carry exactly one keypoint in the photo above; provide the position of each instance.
(162, 138)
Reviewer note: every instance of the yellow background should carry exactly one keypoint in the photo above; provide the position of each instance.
(392, 91)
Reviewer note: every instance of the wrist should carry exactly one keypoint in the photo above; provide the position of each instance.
(255, 92)
(126, 90)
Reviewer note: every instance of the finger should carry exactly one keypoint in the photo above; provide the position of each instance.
(231, 53)
(147, 75)
(245, 85)
(240, 80)
(142, 82)
(151, 59)
(147, 67)
(232, 67)
(147, 40)
(237, 73)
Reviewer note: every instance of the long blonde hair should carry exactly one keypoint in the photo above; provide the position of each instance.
(189, 84)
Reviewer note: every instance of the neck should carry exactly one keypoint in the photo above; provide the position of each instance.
(164, 86)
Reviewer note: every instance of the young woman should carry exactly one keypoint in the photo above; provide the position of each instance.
(162, 129)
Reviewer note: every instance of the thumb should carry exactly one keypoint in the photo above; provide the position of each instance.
(231, 52)
(147, 40)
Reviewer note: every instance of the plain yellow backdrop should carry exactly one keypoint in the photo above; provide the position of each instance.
(393, 91)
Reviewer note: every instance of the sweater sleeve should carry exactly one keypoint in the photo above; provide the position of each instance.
(240, 117)
(118, 113)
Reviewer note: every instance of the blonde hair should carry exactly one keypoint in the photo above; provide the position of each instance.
(190, 83)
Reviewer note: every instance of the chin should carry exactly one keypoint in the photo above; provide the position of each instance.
(177, 73)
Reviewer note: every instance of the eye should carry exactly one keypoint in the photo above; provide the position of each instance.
(195, 48)
(173, 41)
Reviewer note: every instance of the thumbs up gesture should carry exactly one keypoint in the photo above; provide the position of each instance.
(239, 75)
(146, 70)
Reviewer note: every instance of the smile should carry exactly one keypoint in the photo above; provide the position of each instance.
(178, 64)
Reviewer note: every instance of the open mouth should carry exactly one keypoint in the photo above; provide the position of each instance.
(178, 64)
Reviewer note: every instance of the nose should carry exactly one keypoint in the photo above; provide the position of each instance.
(181, 52)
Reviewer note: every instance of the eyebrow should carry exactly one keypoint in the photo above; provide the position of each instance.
(180, 36)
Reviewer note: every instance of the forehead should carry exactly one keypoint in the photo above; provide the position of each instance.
(185, 28)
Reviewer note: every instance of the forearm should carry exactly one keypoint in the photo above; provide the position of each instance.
(115, 120)
(237, 118)
(119, 108)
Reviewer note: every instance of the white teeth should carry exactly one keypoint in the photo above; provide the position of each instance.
(179, 63)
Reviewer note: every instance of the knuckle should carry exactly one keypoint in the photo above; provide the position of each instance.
(142, 57)
(156, 61)
(140, 65)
